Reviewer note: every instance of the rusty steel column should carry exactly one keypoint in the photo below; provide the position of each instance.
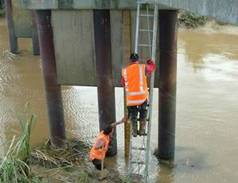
(167, 91)
(52, 88)
(127, 47)
(35, 40)
(11, 27)
(106, 93)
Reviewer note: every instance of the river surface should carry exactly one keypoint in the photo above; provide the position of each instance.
(207, 106)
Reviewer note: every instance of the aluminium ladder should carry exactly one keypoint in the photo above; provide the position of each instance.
(139, 151)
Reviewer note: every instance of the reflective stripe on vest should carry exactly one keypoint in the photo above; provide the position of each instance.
(99, 153)
(136, 88)
(135, 101)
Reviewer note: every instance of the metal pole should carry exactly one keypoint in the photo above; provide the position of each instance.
(106, 93)
(52, 88)
(167, 91)
(35, 40)
(127, 47)
(153, 56)
(11, 28)
(137, 27)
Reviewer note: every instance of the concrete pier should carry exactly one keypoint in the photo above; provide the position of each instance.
(35, 40)
(52, 88)
(167, 91)
(11, 29)
(106, 93)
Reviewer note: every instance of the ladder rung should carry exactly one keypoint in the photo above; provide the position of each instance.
(138, 162)
(144, 45)
(139, 148)
(145, 30)
(146, 15)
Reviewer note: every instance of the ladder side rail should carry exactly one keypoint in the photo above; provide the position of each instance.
(136, 50)
(148, 27)
(154, 41)
(137, 27)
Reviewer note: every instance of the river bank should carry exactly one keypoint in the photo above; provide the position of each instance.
(69, 165)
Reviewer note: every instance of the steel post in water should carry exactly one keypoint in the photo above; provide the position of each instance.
(52, 88)
(11, 28)
(35, 40)
(167, 91)
(127, 47)
(106, 93)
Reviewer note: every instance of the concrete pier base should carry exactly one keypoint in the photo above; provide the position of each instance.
(167, 91)
(52, 88)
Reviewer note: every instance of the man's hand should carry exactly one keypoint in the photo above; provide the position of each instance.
(124, 119)
(150, 67)
(149, 61)
(122, 82)
(99, 144)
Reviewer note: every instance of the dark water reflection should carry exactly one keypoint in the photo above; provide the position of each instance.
(206, 128)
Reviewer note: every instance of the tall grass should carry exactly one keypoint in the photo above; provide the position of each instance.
(14, 167)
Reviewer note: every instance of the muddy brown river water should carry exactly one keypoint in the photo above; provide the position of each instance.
(207, 106)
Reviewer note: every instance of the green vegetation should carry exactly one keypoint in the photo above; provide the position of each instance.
(14, 166)
(191, 20)
(2, 12)
(44, 163)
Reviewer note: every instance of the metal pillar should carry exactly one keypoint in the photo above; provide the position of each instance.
(127, 47)
(106, 93)
(52, 88)
(167, 91)
(11, 28)
(35, 40)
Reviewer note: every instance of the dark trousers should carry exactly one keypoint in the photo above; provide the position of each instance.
(97, 163)
(133, 112)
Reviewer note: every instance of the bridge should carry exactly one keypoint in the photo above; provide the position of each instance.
(222, 10)
(86, 43)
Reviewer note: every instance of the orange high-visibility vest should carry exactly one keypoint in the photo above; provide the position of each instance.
(135, 84)
(100, 153)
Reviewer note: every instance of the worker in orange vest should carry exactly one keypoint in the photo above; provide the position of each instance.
(98, 151)
(134, 80)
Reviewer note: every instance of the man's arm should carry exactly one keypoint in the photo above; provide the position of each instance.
(122, 81)
(123, 120)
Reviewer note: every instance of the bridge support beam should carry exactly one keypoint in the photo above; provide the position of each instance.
(11, 29)
(35, 40)
(167, 91)
(52, 88)
(105, 88)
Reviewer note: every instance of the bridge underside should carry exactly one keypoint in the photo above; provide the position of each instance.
(222, 10)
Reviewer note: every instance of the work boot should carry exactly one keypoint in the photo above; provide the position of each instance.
(142, 128)
(134, 128)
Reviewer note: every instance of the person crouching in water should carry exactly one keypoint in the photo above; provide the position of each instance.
(100, 147)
